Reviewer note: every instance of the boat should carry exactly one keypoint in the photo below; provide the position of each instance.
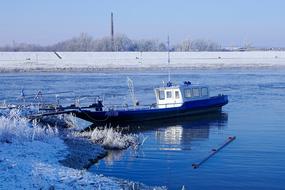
(172, 101)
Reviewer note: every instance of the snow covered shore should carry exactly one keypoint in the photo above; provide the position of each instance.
(34, 165)
(97, 61)
(31, 157)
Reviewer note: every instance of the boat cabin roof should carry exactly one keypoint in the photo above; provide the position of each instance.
(183, 86)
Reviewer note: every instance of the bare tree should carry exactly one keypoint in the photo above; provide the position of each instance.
(85, 42)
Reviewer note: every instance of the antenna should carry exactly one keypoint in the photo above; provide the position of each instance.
(168, 60)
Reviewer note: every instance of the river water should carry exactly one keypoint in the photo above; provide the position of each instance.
(255, 115)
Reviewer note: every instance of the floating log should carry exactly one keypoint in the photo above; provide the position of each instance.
(213, 152)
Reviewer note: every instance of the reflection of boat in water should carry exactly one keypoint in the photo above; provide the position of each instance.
(174, 134)
(176, 130)
(182, 131)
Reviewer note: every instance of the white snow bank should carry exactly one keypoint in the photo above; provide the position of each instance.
(34, 165)
(93, 61)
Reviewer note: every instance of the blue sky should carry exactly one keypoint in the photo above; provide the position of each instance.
(228, 22)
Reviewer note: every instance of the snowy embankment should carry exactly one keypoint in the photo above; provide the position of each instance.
(31, 157)
(94, 61)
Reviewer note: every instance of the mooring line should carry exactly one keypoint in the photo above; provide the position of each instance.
(213, 152)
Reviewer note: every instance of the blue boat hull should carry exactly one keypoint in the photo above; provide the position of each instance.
(196, 107)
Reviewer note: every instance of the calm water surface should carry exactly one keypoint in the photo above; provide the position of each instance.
(255, 115)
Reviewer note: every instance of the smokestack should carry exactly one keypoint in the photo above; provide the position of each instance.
(112, 32)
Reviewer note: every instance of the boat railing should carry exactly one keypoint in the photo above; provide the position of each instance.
(146, 106)
(170, 105)
(128, 107)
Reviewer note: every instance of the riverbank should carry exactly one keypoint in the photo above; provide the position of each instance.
(33, 156)
(114, 61)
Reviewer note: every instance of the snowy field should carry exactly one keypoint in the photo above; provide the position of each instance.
(93, 61)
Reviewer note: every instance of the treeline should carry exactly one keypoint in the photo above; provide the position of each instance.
(85, 42)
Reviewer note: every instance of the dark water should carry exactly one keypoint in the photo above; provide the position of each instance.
(255, 115)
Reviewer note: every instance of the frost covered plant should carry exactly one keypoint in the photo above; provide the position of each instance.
(43, 133)
(109, 138)
(14, 127)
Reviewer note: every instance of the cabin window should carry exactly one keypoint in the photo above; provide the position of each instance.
(168, 94)
(161, 94)
(177, 96)
(196, 92)
(187, 93)
(204, 92)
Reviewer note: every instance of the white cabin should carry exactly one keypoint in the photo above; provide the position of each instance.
(175, 95)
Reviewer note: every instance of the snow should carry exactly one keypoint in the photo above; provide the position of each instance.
(34, 165)
(96, 61)
(31, 157)
(109, 138)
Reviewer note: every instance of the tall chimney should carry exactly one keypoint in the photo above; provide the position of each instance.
(112, 32)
